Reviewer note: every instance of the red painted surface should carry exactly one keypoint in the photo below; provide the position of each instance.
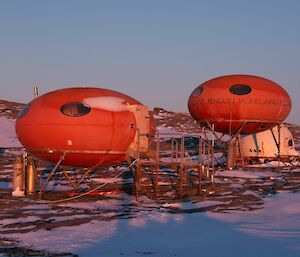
(45, 127)
(265, 106)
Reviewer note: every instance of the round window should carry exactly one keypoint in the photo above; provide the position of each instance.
(75, 109)
(240, 89)
(24, 110)
(197, 91)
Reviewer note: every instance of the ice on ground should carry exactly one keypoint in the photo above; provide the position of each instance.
(135, 229)
(246, 174)
(67, 239)
(58, 185)
(154, 233)
(150, 228)
(42, 206)
(196, 235)
(5, 185)
(5, 222)
(274, 164)
(8, 137)
(278, 219)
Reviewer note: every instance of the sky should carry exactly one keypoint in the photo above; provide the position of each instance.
(156, 51)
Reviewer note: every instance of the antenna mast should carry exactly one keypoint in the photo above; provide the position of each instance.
(35, 91)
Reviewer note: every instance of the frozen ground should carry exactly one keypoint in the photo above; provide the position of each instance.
(279, 219)
(120, 226)
(245, 213)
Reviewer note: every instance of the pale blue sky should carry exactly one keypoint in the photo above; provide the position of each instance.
(156, 51)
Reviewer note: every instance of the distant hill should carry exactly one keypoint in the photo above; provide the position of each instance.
(10, 109)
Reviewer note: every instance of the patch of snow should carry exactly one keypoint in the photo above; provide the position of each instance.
(157, 117)
(71, 217)
(176, 204)
(274, 164)
(160, 233)
(5, 222)
(246, 174)
(167, 132)
(293, 170)
(191, 205)
(58, 185)
(18, 193)
(8, 137)
(107, 103)
(248, 192)
(36, 207)
(68, 239)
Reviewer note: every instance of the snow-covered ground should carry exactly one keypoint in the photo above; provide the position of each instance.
(124, 227)
(246, 174)
(242, 221)
(277, 220)
(8, 137)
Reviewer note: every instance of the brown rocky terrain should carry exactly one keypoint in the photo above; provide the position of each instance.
(10, 109)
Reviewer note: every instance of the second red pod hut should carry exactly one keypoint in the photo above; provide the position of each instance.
(239, 103)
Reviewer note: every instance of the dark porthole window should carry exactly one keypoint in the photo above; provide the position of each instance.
(24, 110)
(197, 91)
(240, 89)
(75, 109)
(290, 142)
